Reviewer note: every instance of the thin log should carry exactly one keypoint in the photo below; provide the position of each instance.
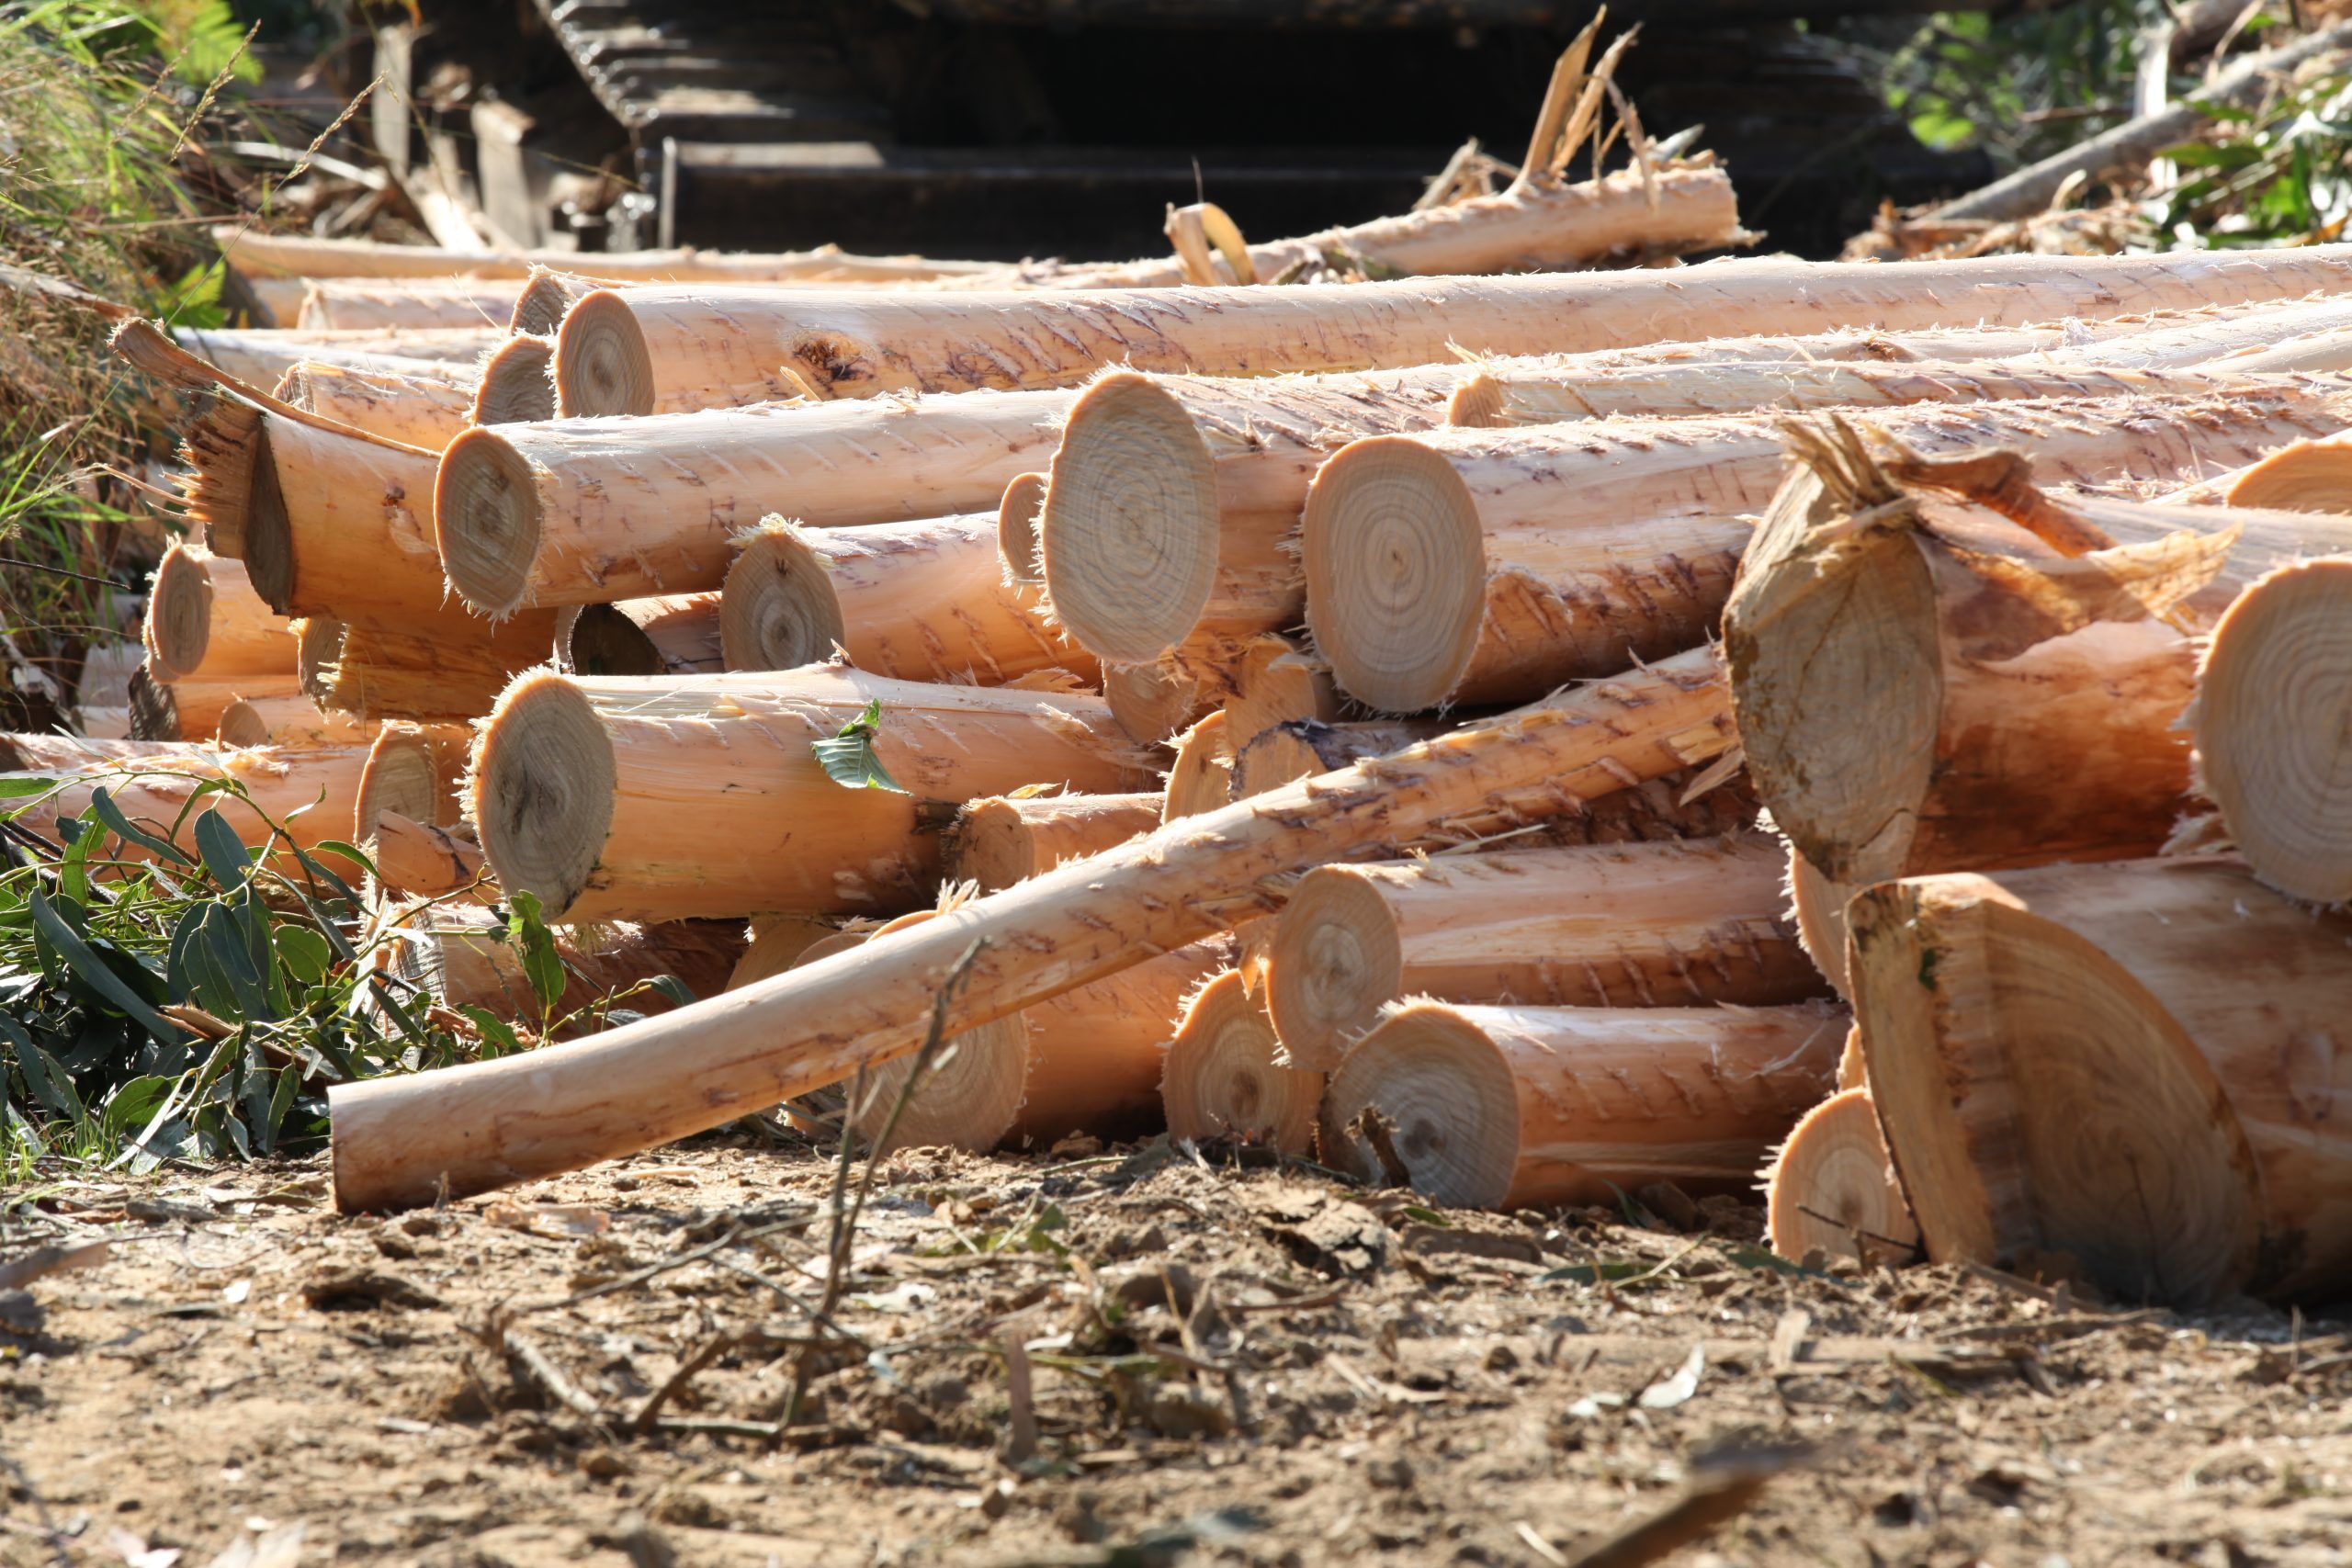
(676, 635)
(1831, 1190)
(311, 792)
(1526, 1107)
(340, 305)
(427, 411)
(1275, 681)
(402, 1141)
(261, 356)
(205, 622)
(1009, 839)
(545, 297)
(296, 255)
(1226, 1075)
(192, 709)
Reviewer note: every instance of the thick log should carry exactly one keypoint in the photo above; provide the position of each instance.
(205, 622)
(340, 305)
(1009, 839)
(1472, 566)
(1097, 1054)
(1227, 1076)
(669, 349)
(415, 860)
(2126, 1071)
(677, 635)
(1682, 923)
(399, 1142)
(2273, 750)
(1527, 1106)
(191, 710)
(310, 791)
(923, 601)
(587, 511)
(1940, 691)
(1831, 1189)
(458, 955)
(419, 410)
(700, 795)
(442, 665)
(290, 720)
(1154, 702)
(517, 383)
(293, 256)
(1018, 521)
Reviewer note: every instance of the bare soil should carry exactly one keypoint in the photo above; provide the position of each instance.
(1224, 1363)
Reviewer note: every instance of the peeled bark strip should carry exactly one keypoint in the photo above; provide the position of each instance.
(444, 665)
(1097, 1054)
(669, 349)
(458, 955)
(1018, 521)
(336, 305)
(192, 710)
(415, 860)
(517, 383)
(309, 790)
(1000, 841)
(399, 1142)
(290, 720)
(205, 622)
(699, 796)
(1166, 528)
(419, 410)
(1227, 1076)
(678, 635)
(1154, 702)
(924, 601)
(1831, 1190)
(1202, 778)
(1940, 690)
(1667, 924)
(1527, 1107)
(2273, 750)
(1482, 566)
(587, 511)
(1818, 907)
(299, 256)
(2131, 1066)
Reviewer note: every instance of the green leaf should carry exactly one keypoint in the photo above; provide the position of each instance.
(51, 1084)
(95, 972)
(17, 786)
(224, 853)
(674, 988)
(534, 945)
(849, 758)
(103, 808)
(74, 870)
(306, 954)
(495, 1029)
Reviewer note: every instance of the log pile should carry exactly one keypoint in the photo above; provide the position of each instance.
(1260, 722)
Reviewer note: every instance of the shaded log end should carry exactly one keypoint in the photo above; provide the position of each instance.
(1020, 520)
(1226, 1077)
(1832, 1189)
(486, 521)
(178, 625)
(1430, 1099)
(517, 383)
(542, 789)
(1334, 961)
(780, 609)
(602, 363)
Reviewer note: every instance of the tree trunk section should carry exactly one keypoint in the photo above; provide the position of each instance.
(341, 305)
(415, 409)
(1154, 702)
(517, 383)
(1019, 519)
(1832, 1190)
(204, 622)
(291, 720)
(415, 860)
(999, 842)
(1097, 1054)
(458, 955)
(1226, 1077)
(192, 710)
(1202, 778)
(677, 635)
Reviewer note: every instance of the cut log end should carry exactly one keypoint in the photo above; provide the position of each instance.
(1129, 533)
(1018, 523)
(318, 648)
(179, 613)
(602, 364)
(486, 521)
(1335, 961)
(1396, 611)
(1153, 702)
(1477, 404)
(517, 383)
(404, 777)
(1202, 778)
(542, 789)
(780, 609)
(598, 639)
(2309, 476)
(1225, 1075)
(1430, 1091)
(1833, 1190)
(2273, 752)
(539, 308)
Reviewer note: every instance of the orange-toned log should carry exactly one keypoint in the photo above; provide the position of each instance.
(1831, 1189)
(1096, 1053)
(192, 710)
(1009, 839)
(442, 665)
(460, 956)
(677, 635)
(1678, 923)
(310, 792)
(415, 860)
(1524, 1107)
(1202, 778)
(421, 410)
(205, 622)
(1226, 1075)
(1276, 682)
(1154, 702)
(1017, 523)
(416, 770)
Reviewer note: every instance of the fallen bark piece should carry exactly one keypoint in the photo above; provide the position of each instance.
(1097, 1054)
(1009, 838)
(2123, 1069)
(419, 410)
(2273, 751)
(1525, 1107)
(587, 511)
(1226, 1075)
(204, 621)
(923, 601)
(399, 1142)
(667, 349)
(702, 796)
(672, 635)
(1831, 1189)
(1678, 923)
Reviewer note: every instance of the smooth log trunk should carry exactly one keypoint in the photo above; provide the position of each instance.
(1154, 702)
(2273, 727)
(415, 409)
(1227, 1076)
(668, 349)
(588, 511)
(1831, 1189)
(458, 955)
(205, 622)
(192, 710)
(1018, 518)
(517, 383)
(2125, 1071)
(1097, 1054)
(924, 601)
(415, 860)
(1009, 838)
(678, 635)
(399, 1141)
(261, 358)
(290, 720)
(1202, 778)
(1940, 691)
(1527, 1106)
(298, 255)
(1487, 566)
(1669, 924)
(700, 795)
(310, 792)
(2307, 335)
(338, 305)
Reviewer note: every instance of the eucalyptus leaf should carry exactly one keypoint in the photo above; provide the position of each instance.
(849, 758)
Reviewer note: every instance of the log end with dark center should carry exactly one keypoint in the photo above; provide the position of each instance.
(542, 789)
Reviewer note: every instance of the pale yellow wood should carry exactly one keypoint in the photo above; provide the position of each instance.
(296, 255)
(421, 410)
(367, 305)
(415, 860)
(517, 384)
(1831, 1190)
(1226, 1075)
(1202, 778)
(999, 842)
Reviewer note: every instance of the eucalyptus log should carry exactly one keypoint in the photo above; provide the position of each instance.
(1017, 524)
(1097, 1054)
(675, 634)
(192, 709)
(517, 384)
(309, 792)
(459, 955)
(367, 305)
(261, 356)
(1154, 702)
(1009, 839)
(416, 860)
(441, 665)
(205, 622)
(290, 720)
(1226, 1075)
(1831, 1190)
(1202, 778)
(419, 410)
(299, 255)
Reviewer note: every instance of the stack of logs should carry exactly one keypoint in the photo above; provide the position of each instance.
(1339, 717)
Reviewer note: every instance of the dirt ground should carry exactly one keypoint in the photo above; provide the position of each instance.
(1223, 1363)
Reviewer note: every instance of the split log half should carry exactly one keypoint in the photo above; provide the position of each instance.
(678, 635)
(1524, 1107)
(1832, 1189)
(2125, 1070)
(419, 410)
(355, 305)
(458, 955)
(668, 349)
(701, 796)
(587, 511)
(924, 601)
(1226, 1075)
(1009, 838)
(1202, 778)
(517, 383)
(415, 860)
(191, 710)
(1154, 702)
(1096, 1053)
(1678, 923)
(1018, 521)
(1472, 566)
(205, 622)
(399, 1141)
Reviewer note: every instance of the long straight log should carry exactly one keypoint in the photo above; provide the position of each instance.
(669, 349)
(23, 753)
(1668, 924)
(999, 842)
(700, 795)
(1226, 1077)
(1526, 1107)
(427, 411)
(1473, 566)
(296, 255)
(1831, 1190)
(587, 511)
(2130, 1071)
(674, 635)
(924, 601)
(205, 622)
(399, 1142)
(336, 305)
(1940, 691)
(260, 356)
(2301, 335)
